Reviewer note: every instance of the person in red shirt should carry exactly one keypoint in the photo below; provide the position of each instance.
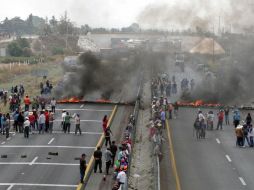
(104, 123)
(220, 119)
(47, 120)
(27, 102)
(31, 118)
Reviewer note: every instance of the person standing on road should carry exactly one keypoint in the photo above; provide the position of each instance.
(113, 149)
(27, 102)
(46, 113)
(36, 120)
(248, 119)
(53, 105)
(41, 122)
(67, 122)
(15, 118)
(7, 125)
(220, 119)
(226, 111)
(51, 121)
(107, 135)
(63, 119)
(108, 156)
(163, 118)
(121, 178)
(236, 117)
(250, 135)
(32, 121)
(97, 156)
(104, 123)
(21, 120)
(82, 167)
(239, 136)
(26, 127)
(77, 124)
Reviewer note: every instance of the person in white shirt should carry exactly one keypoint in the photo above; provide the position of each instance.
(121, 177)
(53, 105)
(26, 127)
(77, 124)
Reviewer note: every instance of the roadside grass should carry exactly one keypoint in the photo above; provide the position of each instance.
(23, 75)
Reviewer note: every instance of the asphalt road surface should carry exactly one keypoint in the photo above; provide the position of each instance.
(38, 170)
(211, 163)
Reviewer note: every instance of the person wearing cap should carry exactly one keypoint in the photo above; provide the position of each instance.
(26, 127)
(82, 167)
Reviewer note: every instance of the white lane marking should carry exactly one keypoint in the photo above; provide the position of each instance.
(10, 187)
(51, 140)
(3, 142)
(33, 161)
(86, 110)
(228, 158)
(45, 146)
(242, 181)
(82, 106)
(218, 141)
(39, 163)
(37, 184)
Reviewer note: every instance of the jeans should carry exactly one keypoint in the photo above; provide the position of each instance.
(67, 127)
(108, 141)
(41, 127)
(82, 175)
(251, 141)
(219, 124)
(78, 129)
(50, 127)
(108, 164)
(26, 132)
(247, 139)
(53, 109)
(98, 162)
(226, 119)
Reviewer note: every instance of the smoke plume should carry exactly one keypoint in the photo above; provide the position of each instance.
(234, 78)
(204, 14)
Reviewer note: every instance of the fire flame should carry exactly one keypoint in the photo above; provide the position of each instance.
(70, 100)
(198, 103)
(102, 101)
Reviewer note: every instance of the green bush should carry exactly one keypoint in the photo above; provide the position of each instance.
(57, 51)
(19, 48)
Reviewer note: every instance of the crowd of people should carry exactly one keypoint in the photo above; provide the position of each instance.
(165, 87)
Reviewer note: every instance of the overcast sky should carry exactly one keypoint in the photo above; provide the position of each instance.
(105, 13)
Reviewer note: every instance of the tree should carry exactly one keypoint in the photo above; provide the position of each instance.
(30, 25)
(14, 49)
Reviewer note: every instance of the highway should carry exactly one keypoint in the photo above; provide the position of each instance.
(211, 163)
(42, 171)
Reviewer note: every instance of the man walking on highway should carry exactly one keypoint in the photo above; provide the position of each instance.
(97, 156)
(108, 155)
(113, 149)
(82, 167)
(107, 134)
